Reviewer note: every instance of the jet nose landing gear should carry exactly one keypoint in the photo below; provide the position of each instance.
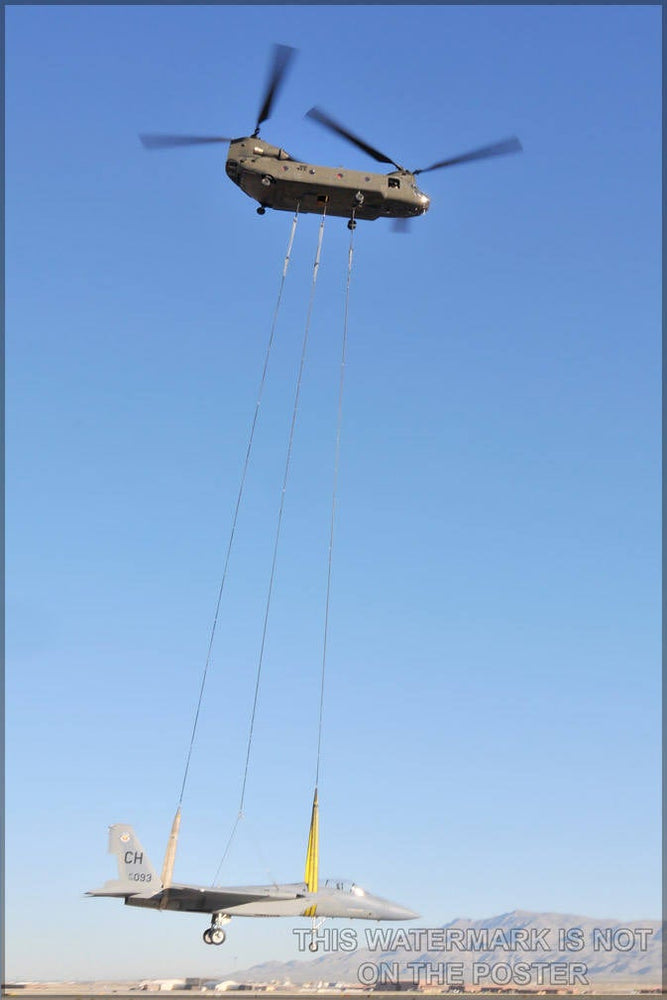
(215, 933)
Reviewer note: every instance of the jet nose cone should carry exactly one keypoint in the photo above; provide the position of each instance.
(384, 909)
(401, 913)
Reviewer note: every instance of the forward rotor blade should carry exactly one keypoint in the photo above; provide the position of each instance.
(324, 119)
(511, 145)
(159, 140)
(282, 57)
(401, 226)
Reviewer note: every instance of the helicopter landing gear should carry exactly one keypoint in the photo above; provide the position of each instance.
(215, 934)
(352, 224)
(261, 210)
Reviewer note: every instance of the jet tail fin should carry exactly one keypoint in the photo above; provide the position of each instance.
(136, 874)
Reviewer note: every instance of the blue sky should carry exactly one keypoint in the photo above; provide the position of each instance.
(491, 727)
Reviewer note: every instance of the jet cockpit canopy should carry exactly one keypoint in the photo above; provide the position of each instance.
(344, 885)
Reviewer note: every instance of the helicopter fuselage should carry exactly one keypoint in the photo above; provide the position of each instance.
(270, 176)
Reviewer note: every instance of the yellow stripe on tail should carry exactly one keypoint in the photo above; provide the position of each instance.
(312, 855)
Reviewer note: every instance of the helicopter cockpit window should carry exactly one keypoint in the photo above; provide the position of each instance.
(394, 182)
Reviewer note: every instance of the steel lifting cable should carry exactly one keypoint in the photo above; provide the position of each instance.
(334, 498)
(238, 503)
(283, 492)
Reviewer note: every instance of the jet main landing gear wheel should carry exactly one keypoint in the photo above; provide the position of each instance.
(215, 933)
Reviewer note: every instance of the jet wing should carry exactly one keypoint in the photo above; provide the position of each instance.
(208, 900)
(195, 898)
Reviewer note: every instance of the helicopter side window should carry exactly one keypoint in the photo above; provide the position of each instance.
(394, 182)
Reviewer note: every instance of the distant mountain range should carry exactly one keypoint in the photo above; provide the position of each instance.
(519, 949)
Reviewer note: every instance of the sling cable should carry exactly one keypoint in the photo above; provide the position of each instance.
(312, 859)
(312, 852)
(283, 493)
(170, 854)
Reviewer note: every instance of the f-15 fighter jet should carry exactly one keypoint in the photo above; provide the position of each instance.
(139, 885)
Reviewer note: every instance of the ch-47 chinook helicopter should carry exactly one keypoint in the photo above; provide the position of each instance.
(276, 180)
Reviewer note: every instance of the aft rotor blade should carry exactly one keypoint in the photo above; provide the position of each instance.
(282, 57)
(511, 145)
(324, 119)
(159, 140)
